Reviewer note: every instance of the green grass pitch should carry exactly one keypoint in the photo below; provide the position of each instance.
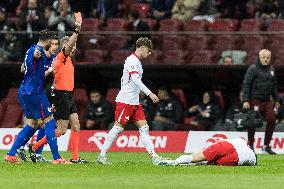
(135, 170)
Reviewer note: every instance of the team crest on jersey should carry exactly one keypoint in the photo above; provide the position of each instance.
(272, 73)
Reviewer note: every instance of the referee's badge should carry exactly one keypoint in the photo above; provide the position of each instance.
(272, 73)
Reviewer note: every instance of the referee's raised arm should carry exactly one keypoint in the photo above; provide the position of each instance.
(73, 39)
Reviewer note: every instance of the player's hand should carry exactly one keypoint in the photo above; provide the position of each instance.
(246, 105)
(154, 98)
(78, 20)
(37, 53)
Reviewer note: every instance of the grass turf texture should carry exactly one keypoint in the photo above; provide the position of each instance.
(135, 170)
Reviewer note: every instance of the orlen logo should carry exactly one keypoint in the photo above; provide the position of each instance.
(216, 138)
(124, 141)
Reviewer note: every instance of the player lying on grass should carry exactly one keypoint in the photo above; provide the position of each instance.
(62, 95)
(128, 108)
(229, 152)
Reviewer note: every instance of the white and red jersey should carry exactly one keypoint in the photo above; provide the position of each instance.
(245, 153)
(131, 83)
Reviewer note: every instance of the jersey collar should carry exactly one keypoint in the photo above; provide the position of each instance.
(136, 56)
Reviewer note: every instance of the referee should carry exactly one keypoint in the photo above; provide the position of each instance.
(259, 87)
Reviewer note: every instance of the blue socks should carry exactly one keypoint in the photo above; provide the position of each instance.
(23, 137)
(40, 135)
(51, 138)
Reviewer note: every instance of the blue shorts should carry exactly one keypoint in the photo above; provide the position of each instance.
(35, 106)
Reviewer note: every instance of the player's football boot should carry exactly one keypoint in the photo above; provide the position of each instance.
(103, 160)
(79, 160)
(41, 159)
(11, 159)
(157, 160)
(32, 153)
(267, 150)
(61, 161)
(22, 154)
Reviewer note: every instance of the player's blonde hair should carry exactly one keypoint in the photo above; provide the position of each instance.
(144, 41)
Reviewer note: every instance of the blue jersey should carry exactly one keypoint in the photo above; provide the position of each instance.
(33, 82)
(48, 61)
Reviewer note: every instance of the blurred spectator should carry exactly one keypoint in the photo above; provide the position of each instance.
(3, 19)
(230, 7)
(10, 5)
(266, 11)
(99, 112)
(147, 106)
(233, 110)
(104, 9)
(46, 14)
(281, 8)
(232, 57)
(209, 10)
(83, 6)
(207, 113)
(9, 46)
(162, 9)
(62, 19)
(168, 111)
(31, 19)
(136, 24)
(185, 9)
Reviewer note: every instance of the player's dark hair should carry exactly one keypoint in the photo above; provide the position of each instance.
(44, 35)
(54, 36)
(144, 41)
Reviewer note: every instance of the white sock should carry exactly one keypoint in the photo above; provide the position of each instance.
(111, 136)
(184, 159)
(38, 155)
(146, 141)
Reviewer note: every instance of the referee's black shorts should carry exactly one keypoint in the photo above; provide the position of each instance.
(64, 104)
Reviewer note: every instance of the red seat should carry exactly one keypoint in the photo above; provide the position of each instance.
(251, 56)
(251, 25)
(142, 8)
(181, 96)
(276, 25)
(152, 23)
(203, 57)
(253, 42)
(12, 116)
(224, 25)
(119, 56)
(91, 41)
(117, 24)
(196, 25)
(96, 56)
(224, 42)
(170, 25)
(197, 42)
(175, 57)
(173, 42)
(15, 21)
(90, 24)
(81, 98)
(155, 58)
(111, 95)
(220, 99)
(1, 113)
(12, 96)
(117, 41)
(80, 95)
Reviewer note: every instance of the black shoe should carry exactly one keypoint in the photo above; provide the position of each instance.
(32, 153)
(79, 160)
(267, 150)
(22, 154)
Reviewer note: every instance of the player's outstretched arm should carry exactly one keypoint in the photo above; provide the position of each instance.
(73, 39)
(137, 81)
(22, 68)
